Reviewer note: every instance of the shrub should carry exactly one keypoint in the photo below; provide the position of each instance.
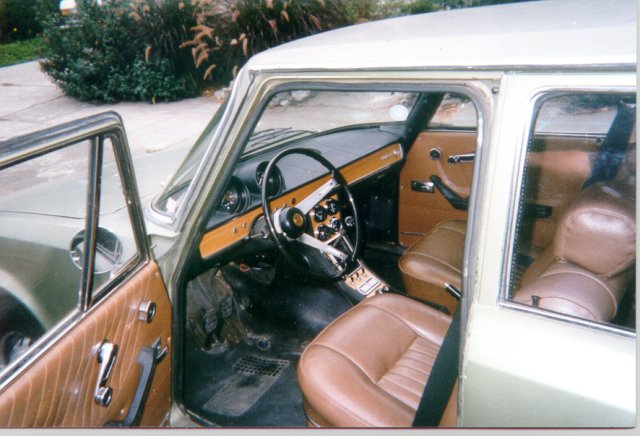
(228, 32)
(122, 50)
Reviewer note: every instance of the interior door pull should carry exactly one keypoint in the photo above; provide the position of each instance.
(106, 358)
(454, 199)
(148, 358)
(461, 158)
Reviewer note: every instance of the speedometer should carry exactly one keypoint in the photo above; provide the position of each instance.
(234, 197)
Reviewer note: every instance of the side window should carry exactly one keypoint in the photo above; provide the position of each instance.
(43, 227)
(574, 251)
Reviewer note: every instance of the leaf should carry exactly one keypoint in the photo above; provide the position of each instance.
(322, 3)
(235, 71)
(270, 4)
(273, 25)
(203, 56)
(204, 31)
(190, 43)
(245, 46)
(207, 73)
(235, 15)
(315, 22)
(147, 53)
(234, 42)
(285, 15)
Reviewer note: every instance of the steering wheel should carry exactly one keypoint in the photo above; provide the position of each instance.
(290, 223)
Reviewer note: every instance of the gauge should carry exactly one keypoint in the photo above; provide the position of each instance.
(335, 224)
(274, 184)
(234, 196)
(319, 213)
(333, 206)
(323, 232)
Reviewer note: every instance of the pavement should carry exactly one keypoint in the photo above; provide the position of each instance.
(29, 101)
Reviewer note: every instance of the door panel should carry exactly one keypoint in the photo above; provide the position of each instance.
(419, 211)
(558, 166)
(58, 389)
(561, 164)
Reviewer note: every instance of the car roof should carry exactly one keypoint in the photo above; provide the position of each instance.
(557, 33)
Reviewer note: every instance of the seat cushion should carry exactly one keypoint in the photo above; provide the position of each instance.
(434, 261)
(370, 366)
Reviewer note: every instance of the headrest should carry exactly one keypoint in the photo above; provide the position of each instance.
(598, 230)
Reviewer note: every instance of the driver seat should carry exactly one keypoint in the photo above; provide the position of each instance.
(370, 366)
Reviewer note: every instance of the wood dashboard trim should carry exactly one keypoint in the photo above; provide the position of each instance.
(238, 228)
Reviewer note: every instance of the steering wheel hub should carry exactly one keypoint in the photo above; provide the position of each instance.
(292, 222)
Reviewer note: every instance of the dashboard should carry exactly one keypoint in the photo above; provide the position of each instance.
(358, 154)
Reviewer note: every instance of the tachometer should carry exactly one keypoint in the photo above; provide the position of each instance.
(274, 184)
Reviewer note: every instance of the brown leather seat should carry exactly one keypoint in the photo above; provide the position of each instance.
(594, 253)
(434, 262)
(371, 365)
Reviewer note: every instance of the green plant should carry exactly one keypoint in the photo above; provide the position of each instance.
(121, 50)
(19, 51)
(228, 32)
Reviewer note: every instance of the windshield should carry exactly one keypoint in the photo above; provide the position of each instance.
(290, 116)
(171, 196)
(293, 115)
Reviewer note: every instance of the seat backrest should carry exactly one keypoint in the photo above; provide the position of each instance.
(594, 252)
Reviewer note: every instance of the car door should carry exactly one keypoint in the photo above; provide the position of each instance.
(526, 362)
(86, 339)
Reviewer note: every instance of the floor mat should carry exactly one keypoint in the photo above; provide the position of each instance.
(252, 378)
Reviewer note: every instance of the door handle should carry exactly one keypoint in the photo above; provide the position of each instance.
(461, 158)
(422, 186)
(106, 358)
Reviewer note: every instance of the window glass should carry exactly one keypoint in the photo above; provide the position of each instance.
(575, 235)
(296, 114)
(456, 111)
(115, 244)
(42, 207)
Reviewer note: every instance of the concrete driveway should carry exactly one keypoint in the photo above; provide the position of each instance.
(30, 102)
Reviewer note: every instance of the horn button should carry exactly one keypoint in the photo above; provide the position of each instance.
(293, 222)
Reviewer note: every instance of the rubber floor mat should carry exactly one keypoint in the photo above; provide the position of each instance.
(253, 376)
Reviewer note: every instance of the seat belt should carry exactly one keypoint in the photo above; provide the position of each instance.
(442, 378)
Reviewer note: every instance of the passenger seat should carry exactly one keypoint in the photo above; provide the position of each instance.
(434, 262)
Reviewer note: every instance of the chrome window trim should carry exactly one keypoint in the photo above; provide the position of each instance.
(536, 99)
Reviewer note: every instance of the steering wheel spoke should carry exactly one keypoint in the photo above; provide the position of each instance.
(319, 245)
(316, 196)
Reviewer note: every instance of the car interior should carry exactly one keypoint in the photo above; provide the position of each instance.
(331, 266)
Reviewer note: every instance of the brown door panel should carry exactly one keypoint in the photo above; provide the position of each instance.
(558, 168)
(420, 212)
(58, 389)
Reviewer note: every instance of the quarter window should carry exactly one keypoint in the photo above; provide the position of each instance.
(574, 251)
